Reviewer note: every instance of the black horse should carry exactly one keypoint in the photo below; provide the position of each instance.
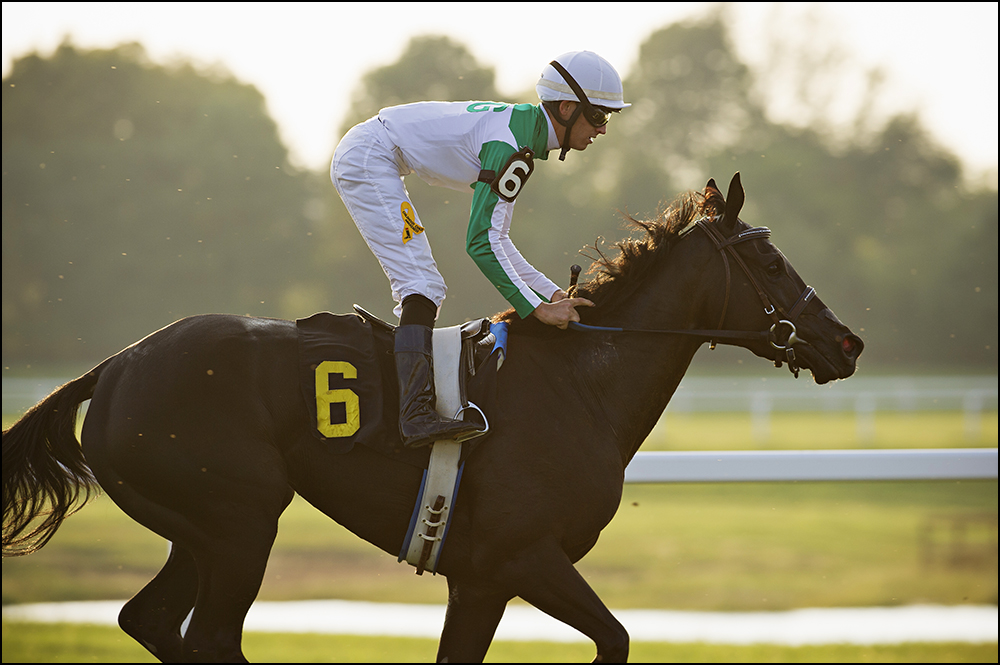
(200, 433)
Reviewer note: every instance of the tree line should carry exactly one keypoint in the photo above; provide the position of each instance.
(136, 193)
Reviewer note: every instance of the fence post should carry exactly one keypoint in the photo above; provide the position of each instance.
(760, 416)
(864, 413)
(972, 408)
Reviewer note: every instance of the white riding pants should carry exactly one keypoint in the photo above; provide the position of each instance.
(368, 171)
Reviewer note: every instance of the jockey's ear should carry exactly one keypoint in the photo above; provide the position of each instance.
(734, 201)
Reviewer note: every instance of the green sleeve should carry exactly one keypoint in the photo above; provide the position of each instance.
(493, 156)
(529, 127)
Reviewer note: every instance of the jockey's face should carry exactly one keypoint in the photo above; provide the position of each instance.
(582, 133)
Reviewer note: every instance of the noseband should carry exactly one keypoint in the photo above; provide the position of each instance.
(782, 319)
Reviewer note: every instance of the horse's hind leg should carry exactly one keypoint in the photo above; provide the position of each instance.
(222, 519)
(216, 565)
(153, 617)
(230, 572)
(474, 611)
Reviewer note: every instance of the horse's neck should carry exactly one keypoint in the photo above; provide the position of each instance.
(648, 367)
(633, 376)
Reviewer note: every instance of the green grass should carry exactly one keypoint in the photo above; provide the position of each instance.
(772, 546)
(823, 431)
(66, 643)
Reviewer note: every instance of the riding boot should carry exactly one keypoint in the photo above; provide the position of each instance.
(419, 423)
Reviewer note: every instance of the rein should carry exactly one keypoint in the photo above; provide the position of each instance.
(726, 248)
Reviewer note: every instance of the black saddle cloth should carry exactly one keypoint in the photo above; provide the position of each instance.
(348, 380)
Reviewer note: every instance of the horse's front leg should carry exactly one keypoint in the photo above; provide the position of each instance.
(544, 576)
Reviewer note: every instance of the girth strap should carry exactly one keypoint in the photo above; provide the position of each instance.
(430, 516)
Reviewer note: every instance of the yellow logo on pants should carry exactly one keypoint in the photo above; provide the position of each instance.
(410, 226)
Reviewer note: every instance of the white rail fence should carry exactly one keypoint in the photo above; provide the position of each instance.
(812, 465)
(864, 396)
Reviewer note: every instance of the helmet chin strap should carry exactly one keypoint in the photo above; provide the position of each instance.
(568, 124)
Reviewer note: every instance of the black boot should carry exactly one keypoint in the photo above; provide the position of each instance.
(419, 423)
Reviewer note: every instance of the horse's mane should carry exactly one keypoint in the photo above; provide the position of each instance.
(615, 277)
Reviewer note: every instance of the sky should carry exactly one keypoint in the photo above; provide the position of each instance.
(307, 58)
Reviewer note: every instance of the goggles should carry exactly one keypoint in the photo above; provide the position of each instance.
(597, 116)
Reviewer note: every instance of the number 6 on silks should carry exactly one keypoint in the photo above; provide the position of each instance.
(326, 397)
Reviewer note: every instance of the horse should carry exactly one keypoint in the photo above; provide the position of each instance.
(199, 432)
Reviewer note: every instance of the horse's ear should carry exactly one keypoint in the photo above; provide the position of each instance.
(734, 200)
(711, 185)
(713, 196)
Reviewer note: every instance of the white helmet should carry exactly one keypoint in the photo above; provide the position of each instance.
(595, 76)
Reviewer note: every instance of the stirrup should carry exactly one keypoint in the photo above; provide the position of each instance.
(460, 415)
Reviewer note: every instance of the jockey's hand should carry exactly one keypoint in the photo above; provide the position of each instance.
(560, 312)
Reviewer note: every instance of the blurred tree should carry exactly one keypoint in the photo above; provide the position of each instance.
(135, 194)
(883, 228)
(868, 210)
(691, 99)
(926, 247)
(431, 68)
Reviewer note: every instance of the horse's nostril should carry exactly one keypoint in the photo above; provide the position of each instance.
(852, 345)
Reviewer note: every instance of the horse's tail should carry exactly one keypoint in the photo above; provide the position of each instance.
(45, 476)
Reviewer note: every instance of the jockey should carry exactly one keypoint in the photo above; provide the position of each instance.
(489, 147)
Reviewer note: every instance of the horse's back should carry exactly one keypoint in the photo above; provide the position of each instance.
(196, 367)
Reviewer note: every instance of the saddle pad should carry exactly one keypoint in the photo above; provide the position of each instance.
(341, 379)
(330, 344)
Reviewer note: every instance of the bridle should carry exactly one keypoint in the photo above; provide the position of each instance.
(726, 246)
(782, 319)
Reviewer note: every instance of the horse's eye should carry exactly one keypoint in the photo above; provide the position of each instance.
(776, 269)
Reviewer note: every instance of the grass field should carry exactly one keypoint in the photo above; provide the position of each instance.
(756, 546)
